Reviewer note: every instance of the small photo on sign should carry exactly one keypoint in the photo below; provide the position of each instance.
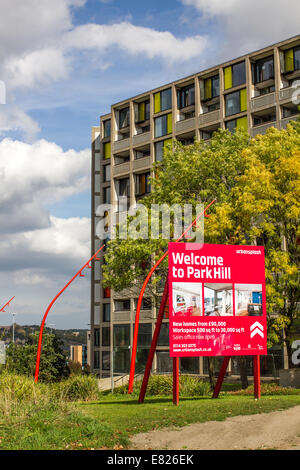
(218, 300)
(248, 300)
(187, 299)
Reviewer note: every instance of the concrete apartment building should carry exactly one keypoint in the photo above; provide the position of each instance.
(253, 92)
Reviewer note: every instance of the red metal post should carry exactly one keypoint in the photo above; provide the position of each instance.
(256, 373)
(221, 377)
(154, 342)
(7, 304)
(38, 357)
(176, 381)
(138, 308)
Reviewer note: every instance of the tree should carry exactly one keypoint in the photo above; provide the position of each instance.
(257, 186)
(22, 359)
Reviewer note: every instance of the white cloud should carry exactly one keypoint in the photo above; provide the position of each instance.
(23, 25)
(13, 118)
(34, 174)
(51, 61)
(36, 68)
(135, 40)
(249, 25)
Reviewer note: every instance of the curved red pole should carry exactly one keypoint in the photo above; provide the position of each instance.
(139, 304)
(38, 357)
(7, 304)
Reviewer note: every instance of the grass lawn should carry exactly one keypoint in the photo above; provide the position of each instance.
(109, 423)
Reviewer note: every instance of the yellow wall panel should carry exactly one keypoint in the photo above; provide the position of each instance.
(227, 78)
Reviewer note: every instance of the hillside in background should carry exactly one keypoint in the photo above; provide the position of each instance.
(22, 332)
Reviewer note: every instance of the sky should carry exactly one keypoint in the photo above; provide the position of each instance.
(63, 63)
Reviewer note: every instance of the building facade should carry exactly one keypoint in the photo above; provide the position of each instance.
(253, 92)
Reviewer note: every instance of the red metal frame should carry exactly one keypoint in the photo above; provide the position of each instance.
(256, 376)
(256, 373)
(176, 381)
(79, 273)
(221, 377)
(154, 342)
(7, 304)
(138, 309)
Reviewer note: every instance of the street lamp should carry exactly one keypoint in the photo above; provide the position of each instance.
(13, 327)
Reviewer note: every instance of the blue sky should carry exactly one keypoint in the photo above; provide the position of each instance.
(64, 62)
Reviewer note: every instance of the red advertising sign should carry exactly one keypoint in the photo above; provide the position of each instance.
(217, 300)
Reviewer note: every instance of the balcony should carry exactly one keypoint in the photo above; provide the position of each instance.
(142, 163)
(141, 138)
(121, 145)
(207, 118)
(262, 101)
(186, 125)
(262, 129)
(121, 317)
(122, 169)
(286, 93)
(284, 122)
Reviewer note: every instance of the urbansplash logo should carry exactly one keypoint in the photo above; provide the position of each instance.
(139, 222)
(2, 92)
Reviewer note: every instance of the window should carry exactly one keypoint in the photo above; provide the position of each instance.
(145, 334)
(141, 154)
(142, 183)
(263, 70)
(258, 120)
(164, 362)
(234, 75)
(189, 365)
(159, 149)
(265, 91)
(163, 100)
(106, 313)
(143, 111)
(146, 304)
(105, 360)
(107, 128)
(106, 195)
(122, 305)
(96, 359)
(297, 58)
(292, 59)
(121, 360)
(106, 336)
(236, 102)
(212, 87)
(106, 173)
(107, 150)
(163, 339)
(97, 337)
(121, 335)
(123, 188)
(163, 125)
(241, 123)
(124, 118)
(186, 96)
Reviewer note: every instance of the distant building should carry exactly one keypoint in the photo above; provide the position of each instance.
(79, 353)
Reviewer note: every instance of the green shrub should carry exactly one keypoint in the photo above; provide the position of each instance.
(77, 387)
(267, 390)
(163, 385)
(20, 388)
